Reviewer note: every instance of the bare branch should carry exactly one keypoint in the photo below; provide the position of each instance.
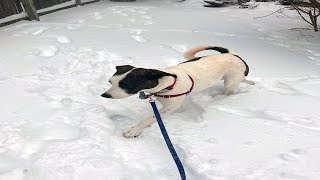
(270, 13)
(316, 3)
(304, 11)
(297, 9)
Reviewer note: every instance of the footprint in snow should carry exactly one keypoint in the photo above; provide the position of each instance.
(136, 31)
(293, 86)
(146, 17)
(9, 161)
(310, 123)
(176, 47)
(45, 51)
(80, 21)
(291, 176)
(213, 141)
(299, 151)
(120, 118)
(276, 36)
(278, 86)
(214, 161)
(3, 78)
(97, 16)
(250, 143)
(63, 39)
(314, 59)
(287, 157)
(123, 14)
(118, 11)
(50, 132)
(142, 12)
(147, 23)
(31, 31)
(36, 137)
(39, 31)
(66, 101)
(132, 20)
(314, 53)
(72, 27)
(139, 38)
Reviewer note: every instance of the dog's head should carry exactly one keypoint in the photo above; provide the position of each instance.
(129, 80)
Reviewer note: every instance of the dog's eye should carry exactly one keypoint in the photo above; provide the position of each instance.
(110, 82)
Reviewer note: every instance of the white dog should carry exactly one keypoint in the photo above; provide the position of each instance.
(171, 85)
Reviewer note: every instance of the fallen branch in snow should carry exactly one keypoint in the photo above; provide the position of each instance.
(277, 11)
(299, 29)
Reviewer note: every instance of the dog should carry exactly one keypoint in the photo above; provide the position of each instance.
(171, 85)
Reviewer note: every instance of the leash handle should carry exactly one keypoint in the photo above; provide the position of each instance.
(167, 139)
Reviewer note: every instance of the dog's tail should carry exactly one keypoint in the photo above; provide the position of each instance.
(190, 53)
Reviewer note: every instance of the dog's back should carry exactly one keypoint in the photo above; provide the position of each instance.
(208, 70)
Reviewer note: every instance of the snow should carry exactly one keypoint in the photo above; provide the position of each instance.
(55, 125)
(13, 17)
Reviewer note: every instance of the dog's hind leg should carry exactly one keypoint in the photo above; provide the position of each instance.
(231, 83)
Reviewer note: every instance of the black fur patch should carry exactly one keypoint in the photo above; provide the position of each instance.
(246, 72)
(191, 60)
(219, 49)
(139, 79)
(123, 69)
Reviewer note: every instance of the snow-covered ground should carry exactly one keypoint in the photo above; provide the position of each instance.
(55, 126)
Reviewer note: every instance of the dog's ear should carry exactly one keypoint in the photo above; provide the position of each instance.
(156, 74)
(123, 69)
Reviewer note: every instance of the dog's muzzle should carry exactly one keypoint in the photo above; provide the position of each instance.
(106, 95)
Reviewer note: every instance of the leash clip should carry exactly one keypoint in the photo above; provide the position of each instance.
(144, 96)
(151, 98)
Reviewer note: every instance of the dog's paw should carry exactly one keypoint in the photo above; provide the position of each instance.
(132, 133)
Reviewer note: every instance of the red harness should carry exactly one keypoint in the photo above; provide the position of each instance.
(171, 87)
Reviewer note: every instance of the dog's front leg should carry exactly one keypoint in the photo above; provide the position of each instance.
(137, 130)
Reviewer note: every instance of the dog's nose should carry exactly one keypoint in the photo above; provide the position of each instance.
(106, 95)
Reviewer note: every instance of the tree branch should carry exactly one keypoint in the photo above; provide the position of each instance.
(296, 8)
(316, 3)
(270, 13)
(300, 9)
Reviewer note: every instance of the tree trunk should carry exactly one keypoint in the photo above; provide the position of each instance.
(30, 10)
(313, 19)
(315, 24)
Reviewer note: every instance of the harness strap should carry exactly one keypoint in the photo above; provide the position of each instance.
(177, 95)
(171, 95)
(172, 85)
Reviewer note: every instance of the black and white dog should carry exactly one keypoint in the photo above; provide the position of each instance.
(171, 85)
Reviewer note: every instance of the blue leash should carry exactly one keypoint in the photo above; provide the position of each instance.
(168, 141)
